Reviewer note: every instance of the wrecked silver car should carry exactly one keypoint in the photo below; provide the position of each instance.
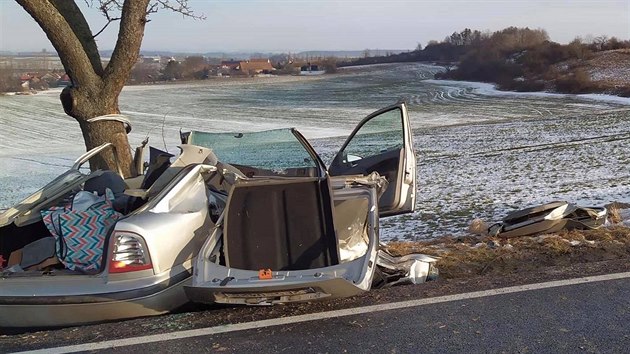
(289, 229)
(243, 218)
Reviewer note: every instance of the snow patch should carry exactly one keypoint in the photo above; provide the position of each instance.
(491, 90)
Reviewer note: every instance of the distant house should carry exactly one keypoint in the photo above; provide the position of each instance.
(64, 81)
(230, 64)
(25, 82)
(256, 66)
(25, 86)
(151, 59)
(51, 78)
(311, 69)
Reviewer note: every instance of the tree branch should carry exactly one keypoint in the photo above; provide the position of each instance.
(106, 7)
(61, 34)
(74, 17)
(110, 20)
(180, 6)
(127, 49)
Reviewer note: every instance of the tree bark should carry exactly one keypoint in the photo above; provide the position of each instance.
(94, 90)
(83, 104)
(74, 17)
(127, 49)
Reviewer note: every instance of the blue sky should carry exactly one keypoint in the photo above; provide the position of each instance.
(282, 25)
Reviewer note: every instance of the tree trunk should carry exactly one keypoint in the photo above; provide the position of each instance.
(94, 91)
(82, 106)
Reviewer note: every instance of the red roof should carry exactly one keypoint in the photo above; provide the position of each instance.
(256, 66)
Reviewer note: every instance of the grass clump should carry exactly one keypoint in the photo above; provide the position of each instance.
(484, 255)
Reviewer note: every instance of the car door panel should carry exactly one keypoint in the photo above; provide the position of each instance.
(382, 143)
(387, 165)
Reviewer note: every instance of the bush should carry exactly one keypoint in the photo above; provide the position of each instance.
(486, 65)
(578, 81)
(622, 91)
(330, 65)
(8, 82)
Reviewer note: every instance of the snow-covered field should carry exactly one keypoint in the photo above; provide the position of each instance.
(481, 152)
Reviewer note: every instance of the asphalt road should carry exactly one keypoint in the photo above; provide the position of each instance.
(592, 317)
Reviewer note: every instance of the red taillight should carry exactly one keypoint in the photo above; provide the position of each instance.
(122, 267)
(129, 253)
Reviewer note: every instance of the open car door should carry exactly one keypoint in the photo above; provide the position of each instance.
(382, 143)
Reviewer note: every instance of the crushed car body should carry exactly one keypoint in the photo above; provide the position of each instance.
(306, 232)
(238, 218)
(141, 265)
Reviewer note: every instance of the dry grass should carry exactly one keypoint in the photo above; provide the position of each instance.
(466, 256)
(614, 214)
(478, 227)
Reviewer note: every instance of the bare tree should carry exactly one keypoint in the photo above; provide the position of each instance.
(599, 42)
(172, 70)
(7, 81)
(329, 65)
(144, 72)
(193, 67)
(95, 89)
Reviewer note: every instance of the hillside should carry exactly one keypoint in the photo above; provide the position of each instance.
(609, 69)
(602, 72)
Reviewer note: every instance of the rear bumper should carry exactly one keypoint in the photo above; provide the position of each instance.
(66, 311)
(261, 294)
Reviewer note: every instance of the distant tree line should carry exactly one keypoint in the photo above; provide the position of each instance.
(520, 59)
(194, 67)
(200, 68)
(191, 68)
(524, 59)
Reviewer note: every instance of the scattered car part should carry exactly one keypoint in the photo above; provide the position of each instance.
(549, 218)
(409, 269)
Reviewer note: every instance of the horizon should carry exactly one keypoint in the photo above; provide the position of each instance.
(278, 26)
(249, 52)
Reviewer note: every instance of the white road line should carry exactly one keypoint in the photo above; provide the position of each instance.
(116, 343)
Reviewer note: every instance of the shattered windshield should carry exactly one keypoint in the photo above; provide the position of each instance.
(274, 150)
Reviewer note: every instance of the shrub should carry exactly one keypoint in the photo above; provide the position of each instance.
(623, 91)
(578, 81)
